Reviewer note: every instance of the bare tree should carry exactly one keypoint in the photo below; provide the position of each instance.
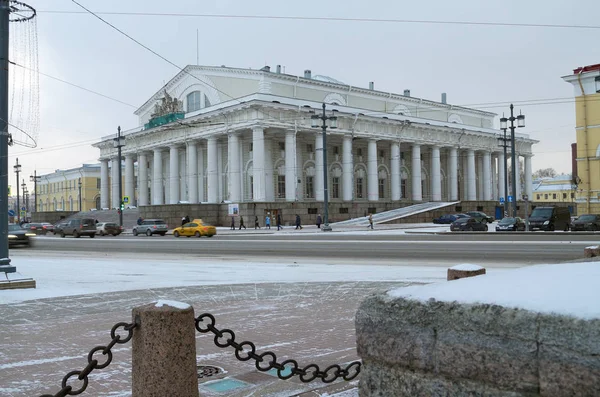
(545, 173)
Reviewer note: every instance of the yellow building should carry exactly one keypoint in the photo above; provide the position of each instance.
(62, 189)
(553, 190)
(586, 82)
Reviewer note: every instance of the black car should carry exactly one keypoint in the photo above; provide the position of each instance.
(39, 228)
(19, 236)
(589, 222)
(511, 224)
(445, 219)
(468, 225)
(480, 216)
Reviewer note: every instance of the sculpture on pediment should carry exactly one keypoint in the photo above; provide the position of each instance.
(167, 105)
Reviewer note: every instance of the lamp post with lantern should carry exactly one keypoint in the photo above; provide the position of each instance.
(333, 125)
(17, 168)
(503, 126)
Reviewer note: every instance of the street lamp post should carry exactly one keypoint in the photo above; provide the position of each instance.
(17, 168)
(35, 178)
(118, 143)
(315, 123)
(24, 187)
(503, 126)
(79, 186)
(505, 146)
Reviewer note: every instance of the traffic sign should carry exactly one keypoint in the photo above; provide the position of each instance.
(23, 208)
(23, 214)
(11, 213)
(510, 199)
(9, 193)
(501, 200)
(125, 199)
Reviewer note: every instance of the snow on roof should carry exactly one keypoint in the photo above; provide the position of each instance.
(466, 267)
(550, 188)
(567, 289)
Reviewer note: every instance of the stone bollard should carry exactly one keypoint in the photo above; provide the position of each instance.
(164, 351)
(591, 251)
(463, 271)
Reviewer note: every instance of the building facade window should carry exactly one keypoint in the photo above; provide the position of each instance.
(381, 188)
(539, 196)
(572, 195)
(403, 188)
(546, 196)
(564, 196)
(359, 188)
(335, 187)
(554, 196)
(193, 101)
(281, 186)
(251, 188)
(98, 183)
(310, 193)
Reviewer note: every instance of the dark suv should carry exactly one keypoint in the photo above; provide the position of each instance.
(79, 227)
(150, 227)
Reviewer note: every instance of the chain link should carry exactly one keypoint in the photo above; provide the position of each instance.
(67, 389)
(247, 350)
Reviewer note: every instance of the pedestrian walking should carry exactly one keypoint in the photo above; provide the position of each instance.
(140, 220)
(319, 221)
(182, 220)
(242, 223)
(268, 222)
(232, 223)
(256, 226)
(298, 225)
(279, 222)
(371, 221)
(187, 219)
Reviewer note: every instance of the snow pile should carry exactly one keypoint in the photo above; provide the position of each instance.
(567, 289)
(175, 304)
(467, 267)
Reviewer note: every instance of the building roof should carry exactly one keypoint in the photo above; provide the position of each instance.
(589, 68)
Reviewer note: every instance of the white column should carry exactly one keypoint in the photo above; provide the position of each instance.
(528, 176)
(372, 177)
(129, 178)
(318, 186)
(192, 159)
(436, 174)
(487, 176)
(453, 169)
(157, 185)
(290, 166)
(417, 193)
(269, 175)
(471, 180)
(395, 171)
(495, 177)
(115, 201)
(479, 170)
(211, 170)
(258, 163)
(347, 168)
(201, 194)
(518, 181)
(174, 174)
(142, 179)
(104, 184)
(235, 173)
(501, 173)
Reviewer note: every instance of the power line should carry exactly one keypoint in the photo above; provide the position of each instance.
(151, 50)
(332, 19)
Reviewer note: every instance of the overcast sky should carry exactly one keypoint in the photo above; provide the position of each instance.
(472, 64)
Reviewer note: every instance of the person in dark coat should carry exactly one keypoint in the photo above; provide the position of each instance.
(279, 222)
(298, 225)
(232, 223)
(319, 221)
(242, 223)
(187, 219)
(182, 220)
(256, 226)
(140, 220)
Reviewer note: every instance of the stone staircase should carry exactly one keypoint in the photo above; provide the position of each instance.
(398, 213)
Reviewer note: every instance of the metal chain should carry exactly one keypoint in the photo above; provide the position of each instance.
(247, 350)
(67, 390)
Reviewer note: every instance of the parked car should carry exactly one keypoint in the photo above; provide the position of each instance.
(511, 224)
(106, 228)
(19, 236)
(195, 228)
(589, 222)
(468, 225)
(58, 226)
(550, 218)
(79, 227)
(445, 219)
(480, 216)
(39, 228)
(150, 227)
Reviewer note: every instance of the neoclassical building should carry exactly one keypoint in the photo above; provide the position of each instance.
(221, 134)
(75, 189)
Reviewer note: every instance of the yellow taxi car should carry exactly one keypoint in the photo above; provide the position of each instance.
(195, 228)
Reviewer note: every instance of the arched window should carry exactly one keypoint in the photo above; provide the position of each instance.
(206, 101)
(193, 101)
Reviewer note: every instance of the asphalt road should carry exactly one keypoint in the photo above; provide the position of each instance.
(483, 248)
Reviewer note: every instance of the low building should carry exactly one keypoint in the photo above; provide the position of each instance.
(75, 189)
(552, 190)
